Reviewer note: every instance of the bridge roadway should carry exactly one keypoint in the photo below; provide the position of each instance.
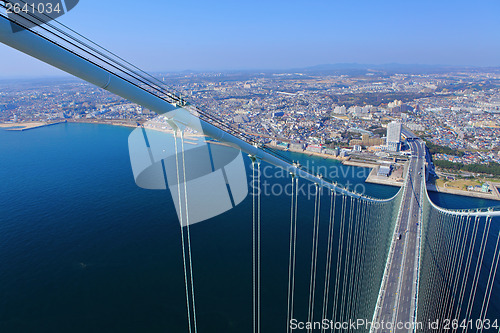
(398, 297)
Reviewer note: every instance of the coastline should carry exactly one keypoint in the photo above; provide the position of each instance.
(310, 153)
(19, 127)
(390, 181)
(372, 177)
(493, 195)
(105, 122)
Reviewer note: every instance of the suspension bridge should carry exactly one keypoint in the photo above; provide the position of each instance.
(399, 265)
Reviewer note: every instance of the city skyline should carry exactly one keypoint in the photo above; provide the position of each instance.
(243, 36)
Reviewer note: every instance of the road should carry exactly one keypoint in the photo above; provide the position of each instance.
(398, 298)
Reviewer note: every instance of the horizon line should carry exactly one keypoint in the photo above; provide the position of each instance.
(318, 67)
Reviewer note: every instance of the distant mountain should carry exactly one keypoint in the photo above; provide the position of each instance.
(390, 68)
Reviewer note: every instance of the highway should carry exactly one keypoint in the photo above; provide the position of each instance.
(398, 293)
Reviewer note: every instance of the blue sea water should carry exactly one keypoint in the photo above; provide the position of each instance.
(83, 249)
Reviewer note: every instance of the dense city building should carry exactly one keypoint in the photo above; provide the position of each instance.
(458, 109)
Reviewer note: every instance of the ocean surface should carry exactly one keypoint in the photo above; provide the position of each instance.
(83, 249)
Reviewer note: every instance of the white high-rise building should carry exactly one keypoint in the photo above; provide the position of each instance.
(340, 110)
(394, 135)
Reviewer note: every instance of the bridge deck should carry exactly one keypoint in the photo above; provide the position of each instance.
(398, 292)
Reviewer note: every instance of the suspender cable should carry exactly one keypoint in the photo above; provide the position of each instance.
(477, 271)
(290, 255)
(181, 216)
(460, 266)
(354, 261)
(326, 290)
(312, 257)
(295, 243)
(339, 260)
(449, 268)
(445, 249)
(291, 258)
(256, 242)
(424, 291)
(258, 249)
(359, 260)
(346, 263)
(319, 189)
(254, 285)
(355, 222)
(467, 268)
(314, 254)
(438, 225)
(362, 264)
(455, 271)
(489, 287)
(188, 236)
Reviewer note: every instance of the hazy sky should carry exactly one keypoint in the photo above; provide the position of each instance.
(237, 34)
